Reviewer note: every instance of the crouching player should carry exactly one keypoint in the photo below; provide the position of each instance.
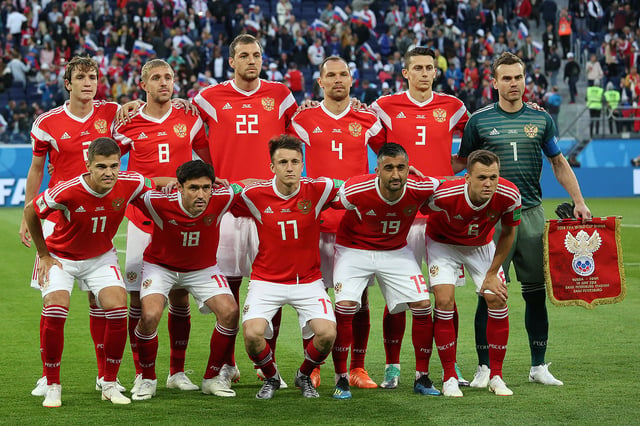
(462, 217)
(286, 269)
(92, 207)
(186, 230)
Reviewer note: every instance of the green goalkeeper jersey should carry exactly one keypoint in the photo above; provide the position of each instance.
(518, 139)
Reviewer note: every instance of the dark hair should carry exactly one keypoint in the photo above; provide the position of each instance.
(284, 142)
(243, 39)
(506, 58)
(103, 146)
(482, 156)
(332, 58)
(81, 63)
(418, 51)
(193, 170)
(392, 149)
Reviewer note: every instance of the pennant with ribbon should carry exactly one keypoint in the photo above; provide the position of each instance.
(583, 262)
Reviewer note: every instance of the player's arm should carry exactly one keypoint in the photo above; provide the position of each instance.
(204, 154)
(565, 176)
(34, 180)
(35, 228)
(492, 281)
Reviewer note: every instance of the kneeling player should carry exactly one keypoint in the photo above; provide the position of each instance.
(186, 232)
(287, 268)
(462, 216)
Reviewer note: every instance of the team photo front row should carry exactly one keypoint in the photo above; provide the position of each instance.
(378, 211)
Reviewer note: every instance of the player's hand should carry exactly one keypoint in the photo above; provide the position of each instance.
(535, 106)
(496, 285)
(44, 266)
(183, 103)
(123, 116)
(356, 105)
(581, 211)
(25, 236)
(170, 187)
(306, 104)
(50, 169)
(414, 171)
(222, 182)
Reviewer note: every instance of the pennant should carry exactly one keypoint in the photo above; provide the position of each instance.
(583, 263)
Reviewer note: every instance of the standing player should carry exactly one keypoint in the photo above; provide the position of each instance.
(91, 207)
(336, 138)
(424, 122)
(185, 226)
(158, 138)
(64, 134)
(372, 240)
(243, 114)
(518, 133)
(462, 216)
(287, 210)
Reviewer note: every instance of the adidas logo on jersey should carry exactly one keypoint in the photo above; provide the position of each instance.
(227, 106)
(142, 136)
(80, 210)
(494, 132)
(458, 217)
(317, 130)
(268, 210)
(65, 136)
(401, 115)
(371, 213)
(173, 222)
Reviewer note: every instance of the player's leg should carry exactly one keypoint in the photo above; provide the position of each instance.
(358, 376)
(179, 324)
(147, 335)
(528, 261)
(97, 323)
(404, 287)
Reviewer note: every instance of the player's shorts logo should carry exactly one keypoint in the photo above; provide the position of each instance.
(101, 125)
(409, 210)
(147, 283)
(582, 247)
(434, 270)
(440, 115)
(305, 206)
(208, 220)
(355, 129)
(180, 130)
(268, 104)
(245, 309)
(131, 276)
(337, 288)
(531, 130)
(117, 203)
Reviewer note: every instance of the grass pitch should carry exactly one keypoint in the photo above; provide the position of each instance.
(595, 353)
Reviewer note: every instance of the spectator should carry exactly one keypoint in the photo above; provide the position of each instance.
(549, 11)
(595, 15)
(571, 76)
(552, 66)
(549, 40)
(18, 69)
(294, 79)
(593, 70)
(594, 103)
(612, 99)
(273, 74)
(539, 79)
(316, 53)
(552, 101)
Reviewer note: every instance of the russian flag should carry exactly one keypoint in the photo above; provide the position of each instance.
(523, 31)
(424, 8)
(90, 46)
(367, 50)
(339, 14)
(537, 46)
(362, 17)
(143, 49)
(319, 26)
(252, 25)
(121, 53)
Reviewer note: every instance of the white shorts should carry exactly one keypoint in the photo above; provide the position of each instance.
(96, 273)
(310, 301)
(137, 242)
(415, 239)
(238, 245)
(203, 284)
(399, 276)
(445, 261)
(327, 255)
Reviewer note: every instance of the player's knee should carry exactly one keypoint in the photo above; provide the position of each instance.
(253, 333)
(420, 304)
(149, 320)
(325, 336)
(445, 302)
(228, 315)
(494, 302)
(59, 298)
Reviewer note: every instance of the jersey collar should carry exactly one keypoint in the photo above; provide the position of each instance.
(75, 117)
(244, 92)
(470, 203)
(420, 104)
(391, 203)
(332, 115)
(279, 194)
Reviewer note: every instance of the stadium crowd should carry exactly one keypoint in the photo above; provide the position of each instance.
(37, 38)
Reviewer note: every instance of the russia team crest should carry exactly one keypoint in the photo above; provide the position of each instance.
(440, 115)
(531, 130)
(583, 263)
(180, 130)
(101, 125)
(355, 129)
(268, 104)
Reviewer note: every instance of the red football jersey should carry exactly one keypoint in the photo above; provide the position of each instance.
(424, 129)
(454, 219)
(241, 125)
(182, 242)
(158, 146)
(88, 220)
(373, 223)
(66, 138)
(336, 146)
(288, 228)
